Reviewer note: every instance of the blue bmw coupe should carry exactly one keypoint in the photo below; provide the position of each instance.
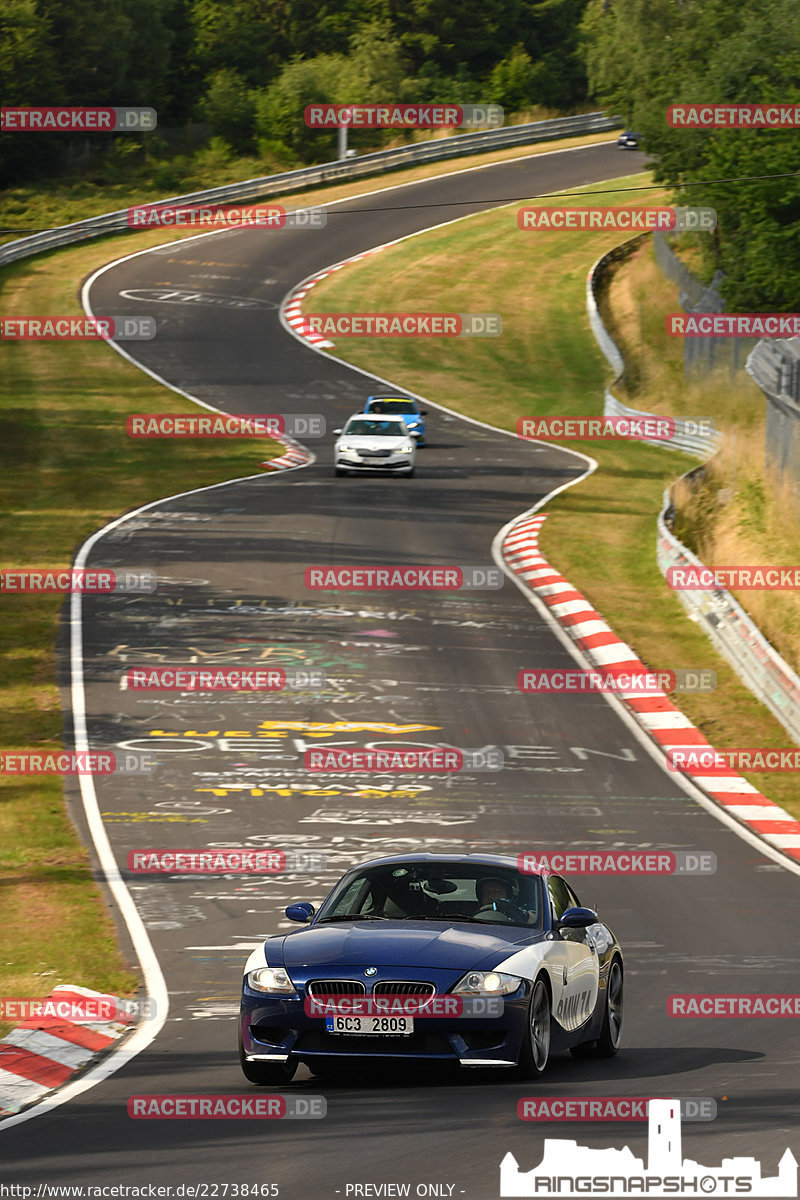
(459, 959)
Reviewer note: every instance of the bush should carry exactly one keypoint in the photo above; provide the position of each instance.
(229, 108)
(511, 82)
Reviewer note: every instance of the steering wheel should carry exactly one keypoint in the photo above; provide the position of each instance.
(490, 913)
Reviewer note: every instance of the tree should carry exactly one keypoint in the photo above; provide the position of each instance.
(229, 107)
(511, 82)
(644, 55)
(373, 71)
(280, 109)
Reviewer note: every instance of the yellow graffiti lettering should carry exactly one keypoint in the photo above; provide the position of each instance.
(345, 726)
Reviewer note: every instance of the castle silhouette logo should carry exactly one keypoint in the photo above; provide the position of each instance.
(568, 1169)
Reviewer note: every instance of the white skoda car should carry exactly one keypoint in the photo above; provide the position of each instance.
(374, 443)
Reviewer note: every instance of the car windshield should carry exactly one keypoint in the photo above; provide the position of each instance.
(365, 427)
(447, 892)
(393, 406)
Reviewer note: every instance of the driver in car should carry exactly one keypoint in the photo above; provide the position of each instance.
(495, 894)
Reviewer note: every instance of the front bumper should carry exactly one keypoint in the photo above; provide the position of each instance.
(395, 462)
(276, 1029)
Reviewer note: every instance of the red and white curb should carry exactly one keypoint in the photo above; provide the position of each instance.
(655, 713)
(295, 456)
(293, 305)
(292, 310)
(42, 1052)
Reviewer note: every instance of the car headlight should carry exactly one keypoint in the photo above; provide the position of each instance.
(487, 983)
(343, 448)
(271, 979)
(406, 448)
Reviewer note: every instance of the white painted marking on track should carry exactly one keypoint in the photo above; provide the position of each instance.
(155, 984)
(154, 979)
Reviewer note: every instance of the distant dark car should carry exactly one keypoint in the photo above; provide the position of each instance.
(434, 928)
(629, 140)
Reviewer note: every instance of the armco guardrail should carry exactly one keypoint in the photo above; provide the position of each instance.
(684, 439)
(352, 168)
(735, 635)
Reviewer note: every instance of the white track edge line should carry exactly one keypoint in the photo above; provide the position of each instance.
(117, 1058)
(155, 985)
(711, 806)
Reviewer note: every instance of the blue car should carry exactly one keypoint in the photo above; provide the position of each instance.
(401, 406)
(435, 958)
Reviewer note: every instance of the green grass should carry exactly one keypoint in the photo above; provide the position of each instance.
(601, 534)
(737, 511)
(68, 467)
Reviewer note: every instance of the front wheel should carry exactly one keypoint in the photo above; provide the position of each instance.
(266, 1074)
(535, 1052)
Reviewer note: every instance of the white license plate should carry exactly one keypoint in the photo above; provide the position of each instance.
(371, 1026)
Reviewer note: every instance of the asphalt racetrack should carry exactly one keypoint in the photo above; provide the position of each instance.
(232, 563)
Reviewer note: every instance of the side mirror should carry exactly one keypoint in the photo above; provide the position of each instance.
(578, 918)
(423, 412)
(337, 431)
(301, 912)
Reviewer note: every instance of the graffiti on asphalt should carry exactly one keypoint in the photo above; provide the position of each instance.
(381, 816)
(137, 818)
(236, 651)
